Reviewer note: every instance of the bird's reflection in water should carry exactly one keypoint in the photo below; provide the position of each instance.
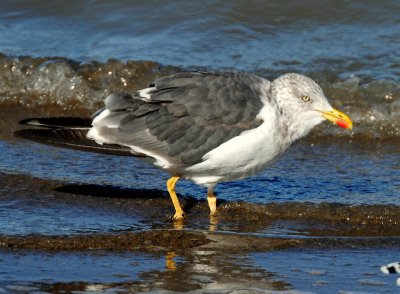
(211, 270)
(170, 263)
(213, 223)
(181, 224)
(178, 224)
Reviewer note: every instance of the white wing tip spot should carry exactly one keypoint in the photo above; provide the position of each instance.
(146, 93)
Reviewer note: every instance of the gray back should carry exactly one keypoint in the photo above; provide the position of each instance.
(188, 114)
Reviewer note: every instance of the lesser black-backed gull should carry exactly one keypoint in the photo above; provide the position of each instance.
(212, 127)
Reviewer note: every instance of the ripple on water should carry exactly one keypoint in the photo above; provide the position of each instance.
(331, 271)
(333, 173)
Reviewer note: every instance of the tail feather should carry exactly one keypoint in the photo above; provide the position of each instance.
(68, 132)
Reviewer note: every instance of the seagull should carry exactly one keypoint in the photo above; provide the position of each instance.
(207, 127)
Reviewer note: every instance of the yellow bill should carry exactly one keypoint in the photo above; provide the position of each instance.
(338, 118)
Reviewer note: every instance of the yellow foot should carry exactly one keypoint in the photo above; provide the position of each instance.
(179, 216)
(178, 223)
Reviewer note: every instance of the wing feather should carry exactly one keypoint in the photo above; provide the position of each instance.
(184, 116)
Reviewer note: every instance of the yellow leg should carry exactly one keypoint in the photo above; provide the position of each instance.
(212, 201)
(171, 183)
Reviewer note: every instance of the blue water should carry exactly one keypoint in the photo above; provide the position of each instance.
(344, 37)
(93, 267)
(320, 271)
(42, 215)
(331, 271)
(325, 173)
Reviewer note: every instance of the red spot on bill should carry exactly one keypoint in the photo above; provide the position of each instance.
(343, 124)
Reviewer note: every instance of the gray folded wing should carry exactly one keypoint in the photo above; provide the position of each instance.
(184, 116)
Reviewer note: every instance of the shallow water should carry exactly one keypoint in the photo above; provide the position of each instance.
(322, 271)
(331, 271)
(94, 267)
(344, 173)
(43, 217)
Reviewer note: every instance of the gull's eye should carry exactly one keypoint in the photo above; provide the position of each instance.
(306, 98)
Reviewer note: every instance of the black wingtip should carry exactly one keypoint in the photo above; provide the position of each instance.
(58, 122)
(51, 136)
(71, 139)
(29, 121)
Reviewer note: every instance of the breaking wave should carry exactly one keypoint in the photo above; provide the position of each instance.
(374, 105)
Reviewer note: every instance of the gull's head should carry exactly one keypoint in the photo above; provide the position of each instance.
(303, 104)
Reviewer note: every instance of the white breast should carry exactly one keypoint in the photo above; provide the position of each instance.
(241, 156)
